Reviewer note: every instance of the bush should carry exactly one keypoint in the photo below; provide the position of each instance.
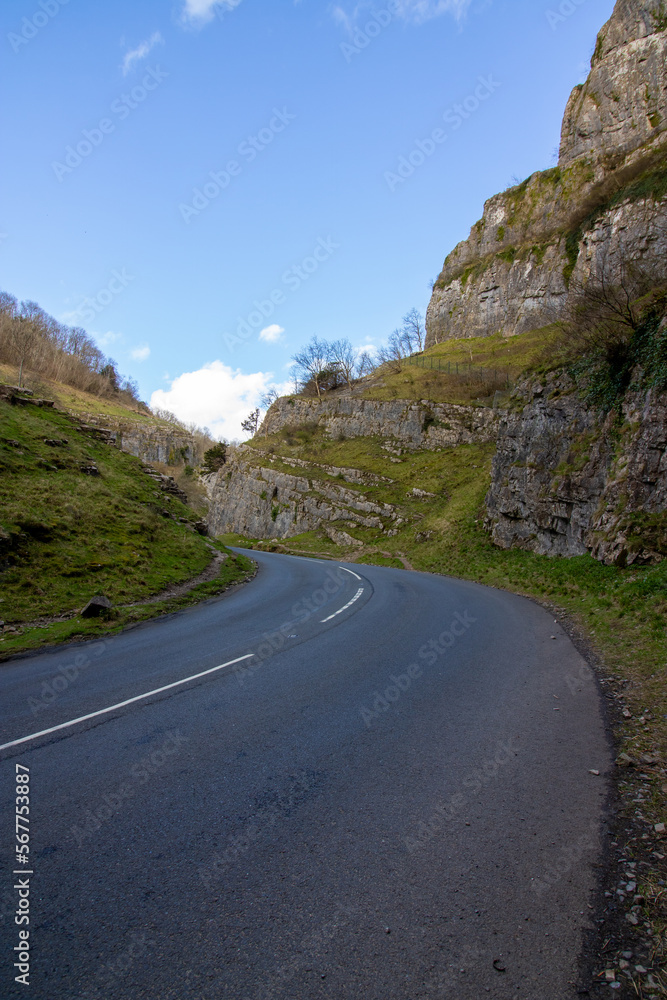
(215, 457)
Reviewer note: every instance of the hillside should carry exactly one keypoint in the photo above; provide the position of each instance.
(79, 517)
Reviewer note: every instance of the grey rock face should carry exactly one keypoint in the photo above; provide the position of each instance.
(149, 442)
(415, 425)
(562, 486)
(256, 500)
(514, 271)
(622, 106)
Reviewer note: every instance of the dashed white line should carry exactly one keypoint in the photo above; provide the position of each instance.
(340, 610)
(122, 704)
(349, 571)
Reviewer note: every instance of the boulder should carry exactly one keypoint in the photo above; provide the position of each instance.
(96, 606)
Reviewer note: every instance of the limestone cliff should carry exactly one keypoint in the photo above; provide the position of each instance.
(606, 197)
(151, 442)
(253, 495)
(567, 481)
(412, 424)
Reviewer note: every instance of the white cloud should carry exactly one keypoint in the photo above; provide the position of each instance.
(423, 10)
(271, 334)
(142, 353)
(342, 17)
(205, 10)
(104, 339)
(214, 396)
(416, 11)
(141, 51)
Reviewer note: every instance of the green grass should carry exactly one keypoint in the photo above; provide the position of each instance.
(508, 355)
(236, 569)
(76, 400)
(65, 535)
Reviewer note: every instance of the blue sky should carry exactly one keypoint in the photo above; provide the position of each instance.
(181, 175)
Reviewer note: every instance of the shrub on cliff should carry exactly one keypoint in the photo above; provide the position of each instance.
(614, 337)
(215, 457)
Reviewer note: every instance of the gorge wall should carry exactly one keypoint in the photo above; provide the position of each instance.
(252, 497)
(151, 442)
(567, 480)
(605, 201)
(422, 424)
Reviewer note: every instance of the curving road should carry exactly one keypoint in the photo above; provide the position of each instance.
(352, 783)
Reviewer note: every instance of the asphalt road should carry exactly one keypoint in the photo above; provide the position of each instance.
(393, 801)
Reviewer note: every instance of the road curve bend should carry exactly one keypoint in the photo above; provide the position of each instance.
(343, 782)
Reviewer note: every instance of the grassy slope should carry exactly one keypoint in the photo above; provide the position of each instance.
(65, 535)
(75, 400)
(509, 356)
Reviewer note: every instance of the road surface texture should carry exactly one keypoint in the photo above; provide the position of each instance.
(389, 795)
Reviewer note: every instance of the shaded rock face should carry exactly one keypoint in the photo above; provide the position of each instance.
(157, 445)
(149, 442)
(514, 272)
(263, 502)
(414, 425)
(566, 481)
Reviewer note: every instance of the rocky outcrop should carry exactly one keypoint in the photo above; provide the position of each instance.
(410, 424)
(621, 110)
(251, 497)
(605, 198)
(151, 442)
(567, 481)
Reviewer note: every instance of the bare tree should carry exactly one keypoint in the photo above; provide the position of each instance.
(364, 365)
(250, 423)
(393, 353)
(312, 363)
(23, 337)
(343, 358)
(604, 311)
(269, 398)
(414, 332)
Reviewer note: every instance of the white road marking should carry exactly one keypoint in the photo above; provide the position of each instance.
(349, 571)
(122, 704)
(340, 610)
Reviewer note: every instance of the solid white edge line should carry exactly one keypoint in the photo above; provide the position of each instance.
(122, 704)
(340, 610)
(350, 571)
